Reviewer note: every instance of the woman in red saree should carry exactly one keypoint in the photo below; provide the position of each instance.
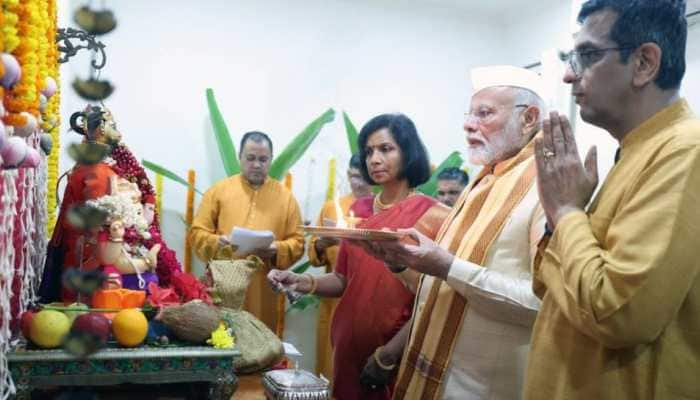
(375, 303)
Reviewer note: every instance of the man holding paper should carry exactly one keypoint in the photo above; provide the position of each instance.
(252, 201)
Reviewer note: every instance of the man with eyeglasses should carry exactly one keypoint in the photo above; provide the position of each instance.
(620, 283)
(475, 307)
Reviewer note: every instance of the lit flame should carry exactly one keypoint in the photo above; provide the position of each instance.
(340, 223)
(351, 219)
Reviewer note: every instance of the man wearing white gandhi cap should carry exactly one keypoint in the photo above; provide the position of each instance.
(475, 307)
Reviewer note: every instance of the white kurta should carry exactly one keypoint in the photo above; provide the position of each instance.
(490, 355)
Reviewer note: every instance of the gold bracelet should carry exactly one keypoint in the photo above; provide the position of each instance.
(314, 284)
(380, 363)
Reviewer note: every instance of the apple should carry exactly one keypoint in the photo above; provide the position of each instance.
(88, 334)
(25, 322)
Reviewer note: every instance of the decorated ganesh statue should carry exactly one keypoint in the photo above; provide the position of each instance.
(127, 246)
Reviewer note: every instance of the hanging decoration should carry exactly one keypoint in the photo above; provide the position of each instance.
(28, 136)
(94, 23)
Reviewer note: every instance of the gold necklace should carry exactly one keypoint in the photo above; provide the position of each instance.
(379, 206)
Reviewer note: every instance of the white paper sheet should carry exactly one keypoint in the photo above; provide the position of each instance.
(247, 240)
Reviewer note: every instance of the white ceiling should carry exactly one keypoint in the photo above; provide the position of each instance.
(492, 7)
(513, 6)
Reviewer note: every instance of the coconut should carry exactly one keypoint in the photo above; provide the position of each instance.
(193, 321)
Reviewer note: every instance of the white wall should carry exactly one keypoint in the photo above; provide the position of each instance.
(691, 83)
(535, 29)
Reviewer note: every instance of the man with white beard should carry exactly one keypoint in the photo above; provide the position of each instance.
(475, 307)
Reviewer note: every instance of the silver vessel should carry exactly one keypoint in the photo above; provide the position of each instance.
(295, 384)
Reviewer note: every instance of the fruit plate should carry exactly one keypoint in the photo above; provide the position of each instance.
(352, 233)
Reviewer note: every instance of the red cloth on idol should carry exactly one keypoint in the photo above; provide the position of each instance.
(85, 182)
(375, 304)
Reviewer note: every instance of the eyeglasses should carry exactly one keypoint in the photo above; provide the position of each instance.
(485, 114)
(579, 60)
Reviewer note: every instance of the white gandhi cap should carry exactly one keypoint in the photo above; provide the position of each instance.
(506, 75)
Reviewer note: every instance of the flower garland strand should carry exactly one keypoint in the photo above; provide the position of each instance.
(159, 194)
(27, 32)
(128, 167)
(52, 120)
(8, 29)
(24, 96)
(189, 218)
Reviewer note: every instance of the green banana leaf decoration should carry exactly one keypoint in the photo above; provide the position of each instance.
(298, 146)
(430, 188)
(167, 174)
(227, 150)
(351, 132)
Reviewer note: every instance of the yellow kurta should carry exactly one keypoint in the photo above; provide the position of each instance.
(233, 202)
(620, 318)
(324, 350)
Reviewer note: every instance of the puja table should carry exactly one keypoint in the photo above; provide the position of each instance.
(36, 369)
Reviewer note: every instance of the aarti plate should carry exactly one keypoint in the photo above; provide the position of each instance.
(352, 233)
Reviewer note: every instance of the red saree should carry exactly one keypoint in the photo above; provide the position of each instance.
(375, 304)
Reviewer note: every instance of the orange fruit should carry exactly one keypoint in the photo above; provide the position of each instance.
(130, 327)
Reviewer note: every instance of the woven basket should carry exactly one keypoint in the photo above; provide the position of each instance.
(230, 279)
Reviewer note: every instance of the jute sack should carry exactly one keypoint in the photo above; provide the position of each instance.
(260, 348)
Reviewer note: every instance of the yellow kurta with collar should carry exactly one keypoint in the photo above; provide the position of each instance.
(620, 318)
(324, 350)
(233, 202)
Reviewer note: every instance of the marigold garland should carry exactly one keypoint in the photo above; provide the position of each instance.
(24, 96)
(27, 32)
(8, 29)
(52, 119)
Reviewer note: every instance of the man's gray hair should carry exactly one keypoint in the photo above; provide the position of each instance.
(527, 96)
